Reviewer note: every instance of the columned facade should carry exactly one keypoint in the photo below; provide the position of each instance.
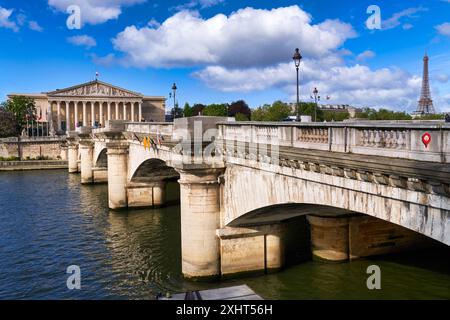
(93, 112)
(95, 103)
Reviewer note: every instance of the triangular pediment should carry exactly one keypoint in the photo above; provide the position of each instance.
(95, 89)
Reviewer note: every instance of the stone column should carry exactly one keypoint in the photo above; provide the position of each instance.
(140, 112)
(330, 237)
(117, 110)
(67, 116)
(76, 114)
(124, 111)
(101, 115)
(143, 193)
(117, 174)
(73, 157)
(159, 193)
(200, 218)
(87, 154)
(50, 120)
(109, 110)
(92, 113)
(132, 111)
(84, 114)
(58, 116)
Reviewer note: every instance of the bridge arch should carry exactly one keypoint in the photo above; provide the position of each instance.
(401, 207)
(154, 169)
(101, 160)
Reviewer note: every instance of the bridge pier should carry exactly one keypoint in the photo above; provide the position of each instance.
(117, 174)
(100, 174)
(330, 238)
(87, 154)
(73, 157)
(200, 218)
(252, 250)
(347, 238)
(146, 194)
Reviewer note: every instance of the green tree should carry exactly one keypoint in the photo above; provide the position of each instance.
(241, 117)
(260, 113)
(216, 110)
(8, 126)
(197, 109)
(278, 111)
(382, 114)
(23, 109)
(241, 107)
(330, 116)
(188, 110)
(431, 117)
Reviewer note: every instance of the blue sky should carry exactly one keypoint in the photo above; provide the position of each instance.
(224, 50)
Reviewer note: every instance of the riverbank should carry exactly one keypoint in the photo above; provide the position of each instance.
(32, 165)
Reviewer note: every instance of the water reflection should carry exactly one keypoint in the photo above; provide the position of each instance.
(48, 221)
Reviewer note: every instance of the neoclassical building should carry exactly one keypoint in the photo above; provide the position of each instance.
(92, 104)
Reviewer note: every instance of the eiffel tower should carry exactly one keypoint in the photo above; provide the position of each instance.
(425, 102)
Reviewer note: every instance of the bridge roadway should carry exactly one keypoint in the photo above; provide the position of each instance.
(365, 188)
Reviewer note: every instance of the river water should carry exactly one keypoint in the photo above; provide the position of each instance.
(48, 221)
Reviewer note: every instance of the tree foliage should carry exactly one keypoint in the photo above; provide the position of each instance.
(278, 111)
(23, 109)
(241, 117)
(187, 110)
(431, 117)
(216, 110)
(382, 114)
(239, 107)
(8, 125)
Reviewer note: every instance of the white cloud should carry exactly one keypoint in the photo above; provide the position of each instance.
(198, 4)
(83, 40)
(365, 55)
(444, 29)
(33, 25)
(248, 37)
(396, 18)
(94, 11)
(5, 21)
(443, 78)
(407, 26)
(251, 50)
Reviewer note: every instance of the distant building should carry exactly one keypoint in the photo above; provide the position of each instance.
(92, 104)
(339, 108)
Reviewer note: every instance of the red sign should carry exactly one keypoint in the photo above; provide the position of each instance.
(426, 139)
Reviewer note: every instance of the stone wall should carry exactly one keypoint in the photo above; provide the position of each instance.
(370, 236)
(32, 149)
(153, 111)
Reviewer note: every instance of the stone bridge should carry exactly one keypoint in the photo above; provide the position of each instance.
(354, 189)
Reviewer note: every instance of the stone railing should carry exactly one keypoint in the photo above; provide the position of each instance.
(164, 128)
(389, 139)
(32, 139)
(401, 139)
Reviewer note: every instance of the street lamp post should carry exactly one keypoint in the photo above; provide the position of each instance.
(316, 99)
(297, 58)
(174, 89)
